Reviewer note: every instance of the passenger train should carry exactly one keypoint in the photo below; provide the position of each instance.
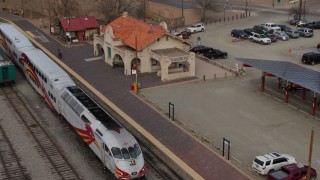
(111, 142)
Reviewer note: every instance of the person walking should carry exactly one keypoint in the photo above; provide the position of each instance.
(59, 54)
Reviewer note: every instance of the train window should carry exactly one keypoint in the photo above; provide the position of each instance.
(132, 152)
(116, 153)
(45, 80)
(85, 120)
(99, 132)
(125, 153)
(137, 149)
(54, 99)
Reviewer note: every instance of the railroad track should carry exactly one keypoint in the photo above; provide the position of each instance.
(46, 147)
(11, 167)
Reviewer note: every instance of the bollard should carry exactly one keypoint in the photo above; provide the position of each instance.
(224, 19)
(204, 77)
(229, 69)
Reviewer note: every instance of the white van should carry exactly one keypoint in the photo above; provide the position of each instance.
(275, 29)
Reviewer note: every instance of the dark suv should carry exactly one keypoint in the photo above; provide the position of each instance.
(239, 33)
(260, 29)
(311, 58)
(200, 49)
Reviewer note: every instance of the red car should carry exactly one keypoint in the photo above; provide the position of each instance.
(292, 172)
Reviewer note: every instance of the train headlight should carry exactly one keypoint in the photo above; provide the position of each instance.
(142, 172)
(121, 174)
(132, 162)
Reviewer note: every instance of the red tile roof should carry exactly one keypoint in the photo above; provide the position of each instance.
(79, 24)
(128, 29)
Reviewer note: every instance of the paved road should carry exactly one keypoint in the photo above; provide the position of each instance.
(115, 86)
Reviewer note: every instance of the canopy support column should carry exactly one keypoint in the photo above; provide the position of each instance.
(304, 94)
(263, 79)
(287, 93)
(314, 104)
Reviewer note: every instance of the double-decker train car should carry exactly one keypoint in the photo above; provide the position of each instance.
(111, 142)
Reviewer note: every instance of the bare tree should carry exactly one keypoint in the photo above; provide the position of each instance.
(64, 8)
(112, 9)
(205, 5)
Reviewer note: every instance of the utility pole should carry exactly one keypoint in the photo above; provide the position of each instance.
(300, 8)
(247, 8)
(182, 8)
(304, 10)
(144, 11)
(310, 155)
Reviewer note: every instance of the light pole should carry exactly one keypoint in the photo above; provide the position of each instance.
(247, 8)
(304, 9)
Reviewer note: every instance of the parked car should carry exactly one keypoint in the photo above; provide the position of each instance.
(260, 38)
(271, 162)
(272, 27)
(281, 35)
(305, 32)
(293, 21)
(272, 37)
(239, 33)
(215, 53)
(302, 23)
(292, 172)
(284, 27)
(292, 33)
(199, 27)
(260, 29)
(249, 31)
(318, 46)
(183, 34)
(199, 49)
(313, 25)
(311, 58)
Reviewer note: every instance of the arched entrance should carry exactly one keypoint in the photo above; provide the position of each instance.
(117, 61)
(99, 51)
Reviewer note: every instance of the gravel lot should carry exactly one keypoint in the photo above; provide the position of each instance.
(235, 108)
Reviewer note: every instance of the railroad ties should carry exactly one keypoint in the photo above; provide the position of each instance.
(46, 147)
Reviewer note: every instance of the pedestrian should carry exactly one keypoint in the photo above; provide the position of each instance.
(59, 54)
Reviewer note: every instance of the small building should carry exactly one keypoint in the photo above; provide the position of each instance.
(137, 46)
(78, 29)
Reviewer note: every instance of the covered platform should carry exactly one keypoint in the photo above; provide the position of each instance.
(292, 75)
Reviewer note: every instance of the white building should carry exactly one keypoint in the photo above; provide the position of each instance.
(133, 44)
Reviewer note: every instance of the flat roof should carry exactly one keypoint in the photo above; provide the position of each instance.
(291, 72)
(170, 52)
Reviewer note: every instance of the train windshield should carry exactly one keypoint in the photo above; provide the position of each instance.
(124, 153)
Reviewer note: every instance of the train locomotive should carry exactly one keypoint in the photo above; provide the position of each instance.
(111, 142)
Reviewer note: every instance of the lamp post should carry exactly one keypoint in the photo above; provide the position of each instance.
(247, 8)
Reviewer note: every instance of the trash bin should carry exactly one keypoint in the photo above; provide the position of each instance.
(131, 88)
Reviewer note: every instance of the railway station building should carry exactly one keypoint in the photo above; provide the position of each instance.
(138, 47)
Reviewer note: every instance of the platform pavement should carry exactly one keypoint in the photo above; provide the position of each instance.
(115, 86)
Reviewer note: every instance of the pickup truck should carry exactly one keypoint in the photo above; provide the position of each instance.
(292, 172)
(260, 38)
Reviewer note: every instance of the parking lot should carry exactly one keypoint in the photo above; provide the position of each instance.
(235, 109)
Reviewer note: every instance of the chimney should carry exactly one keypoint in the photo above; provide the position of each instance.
(150, 31)
(125, 14)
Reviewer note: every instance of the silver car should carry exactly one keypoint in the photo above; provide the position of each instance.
(281, 35)
(292, 33)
